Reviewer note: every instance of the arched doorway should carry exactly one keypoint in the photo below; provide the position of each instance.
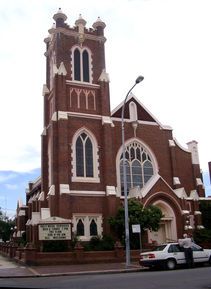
(168, 230)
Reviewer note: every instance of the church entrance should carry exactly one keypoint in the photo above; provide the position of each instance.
(167, 231)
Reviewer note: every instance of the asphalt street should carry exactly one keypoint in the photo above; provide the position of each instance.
(197, 278)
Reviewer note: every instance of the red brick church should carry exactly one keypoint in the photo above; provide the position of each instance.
(81, 181)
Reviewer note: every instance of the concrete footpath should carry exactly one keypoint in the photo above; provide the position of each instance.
(12, 269)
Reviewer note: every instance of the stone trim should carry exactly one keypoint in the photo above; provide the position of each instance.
(110, 191)
(64, 188)
(87, 193)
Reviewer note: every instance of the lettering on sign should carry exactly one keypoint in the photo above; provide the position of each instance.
(54, 232)
(136, 228)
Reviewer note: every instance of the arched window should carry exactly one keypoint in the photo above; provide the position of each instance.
(85, 66)
(77, 65)
(139, 167)
(81, 63)
(93, 228)
(80, 228)
(84, 156)
(89, 158)
(87, 226)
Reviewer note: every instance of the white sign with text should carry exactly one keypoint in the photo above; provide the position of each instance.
(136, 228)
(54, 232)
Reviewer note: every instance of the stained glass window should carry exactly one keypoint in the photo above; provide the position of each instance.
(138, 165)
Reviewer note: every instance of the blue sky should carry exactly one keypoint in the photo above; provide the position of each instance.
(206, 180)
(166, 41)
(12, 188)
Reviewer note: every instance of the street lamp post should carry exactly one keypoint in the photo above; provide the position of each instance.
(127, 235)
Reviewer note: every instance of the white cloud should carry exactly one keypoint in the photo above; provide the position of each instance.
(5, 177)
(11, 186)
(20, 159)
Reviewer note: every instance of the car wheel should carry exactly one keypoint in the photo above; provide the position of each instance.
(210, 261)
(170, 264)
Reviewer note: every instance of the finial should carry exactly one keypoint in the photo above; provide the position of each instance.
(52, 29)
(99, 23)
(80, 21)
(60, 15)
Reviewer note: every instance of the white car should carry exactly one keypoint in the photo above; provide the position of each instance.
(171, 254)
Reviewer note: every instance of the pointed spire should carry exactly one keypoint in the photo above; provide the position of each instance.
(193, 148)
(98, 23)
(80, 21)
(59, 15)
(51, 30)
(60, 18)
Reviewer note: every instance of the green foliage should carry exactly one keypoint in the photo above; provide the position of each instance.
(5, 226)
(106, 243)
(148, 218)
(55, 246)
(205, 208)
(202, 236)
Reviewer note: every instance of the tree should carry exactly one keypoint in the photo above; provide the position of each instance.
(148, 218)
(205, 208)
(202, 236)
(5, 226)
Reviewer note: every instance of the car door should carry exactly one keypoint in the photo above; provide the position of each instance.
(199, 255)
(176, 252)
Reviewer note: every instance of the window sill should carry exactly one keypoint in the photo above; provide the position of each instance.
(85, 180)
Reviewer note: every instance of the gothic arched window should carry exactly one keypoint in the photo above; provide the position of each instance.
(81, 64)
(87, 226)
(93, 228)
(80, 228)
(84, 156)
(77, 65)
(85, 66)
(138, 165)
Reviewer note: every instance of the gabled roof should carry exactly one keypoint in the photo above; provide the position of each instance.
(146, 189)
(54, 220)
(143, 113)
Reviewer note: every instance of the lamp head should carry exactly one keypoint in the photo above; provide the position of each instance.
(139, 79)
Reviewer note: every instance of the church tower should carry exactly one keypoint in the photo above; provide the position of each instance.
(82, 178)
(77, 123)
